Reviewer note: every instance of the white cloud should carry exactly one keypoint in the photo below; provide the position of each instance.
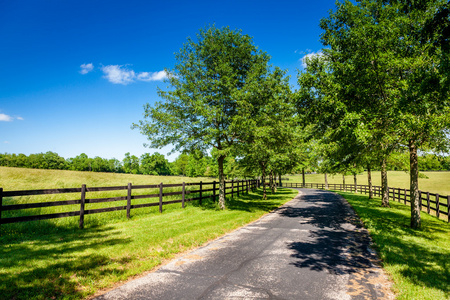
(6, 142)
(20, 118)
(117, 74)
(149, 76)
(5, 118)
(86, 68)
(308, 56)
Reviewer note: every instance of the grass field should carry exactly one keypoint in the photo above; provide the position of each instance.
(417, 260)
(33, 179)
(30, 179)
(437, 182)
(44, 260)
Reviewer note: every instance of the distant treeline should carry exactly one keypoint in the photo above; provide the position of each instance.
(427, 162)
(191, 165)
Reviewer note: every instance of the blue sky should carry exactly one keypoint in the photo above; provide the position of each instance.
(74, 75)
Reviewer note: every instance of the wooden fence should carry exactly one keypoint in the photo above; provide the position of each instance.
(432, 203)
(205, 190)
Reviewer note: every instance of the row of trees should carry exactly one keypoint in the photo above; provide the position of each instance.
(193, 165)
(379, 86)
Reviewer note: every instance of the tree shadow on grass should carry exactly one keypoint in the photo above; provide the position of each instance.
(252, 201)
(412, 251)
(47, 267)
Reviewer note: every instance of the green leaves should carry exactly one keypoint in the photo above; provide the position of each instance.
(202, 108)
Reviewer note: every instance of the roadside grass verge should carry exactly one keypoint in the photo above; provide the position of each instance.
(437, 182)
(73, 264)
(417, 260)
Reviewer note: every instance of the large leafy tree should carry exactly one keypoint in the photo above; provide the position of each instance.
(385, 80)
(204, 98)
(424, 102)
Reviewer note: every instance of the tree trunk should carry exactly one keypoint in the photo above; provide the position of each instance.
(384, 184)
(274, 190)
(356, 184)
(343, 182)
(271, 182)
(263, 180)
(414, 185)
(303, 177)
(326, 181)
(221, 183)
(369, 179)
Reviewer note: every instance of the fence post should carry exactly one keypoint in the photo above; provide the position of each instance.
(405, 197)
(437, 205)
(129, 200)
(83, 200)
(183, 194)
(448, 209)
(238, 188)
(160, 197)
(428, 202)
(200, 201)
(214, 191)
(420, 199)
(232, 188)
(1, 204)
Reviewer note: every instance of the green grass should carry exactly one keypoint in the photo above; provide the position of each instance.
(437, 182)
(417, 260)
(29, 179)
(47, 260)
(33, 179)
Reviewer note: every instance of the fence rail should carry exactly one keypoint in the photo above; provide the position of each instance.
(431, 203)
(231, 187)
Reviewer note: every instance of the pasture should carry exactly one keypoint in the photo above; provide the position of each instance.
(437, 182)
(45, 260)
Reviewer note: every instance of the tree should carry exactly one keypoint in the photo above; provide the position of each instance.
(131, 164)
(385, 79)
(79, 163)
(339, 87)
(155, 164)
(271, 138)
(180, 164)
(203, 101)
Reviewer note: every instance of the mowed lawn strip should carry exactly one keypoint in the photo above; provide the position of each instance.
(418, 261)
(74, 263)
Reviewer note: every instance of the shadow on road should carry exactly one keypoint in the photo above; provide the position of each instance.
(335, 242)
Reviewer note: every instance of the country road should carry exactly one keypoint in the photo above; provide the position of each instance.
(313, 247)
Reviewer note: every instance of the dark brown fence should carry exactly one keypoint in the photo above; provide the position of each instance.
(432, 203)
(202, 190)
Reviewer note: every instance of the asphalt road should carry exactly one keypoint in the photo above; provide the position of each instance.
(313, 247)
